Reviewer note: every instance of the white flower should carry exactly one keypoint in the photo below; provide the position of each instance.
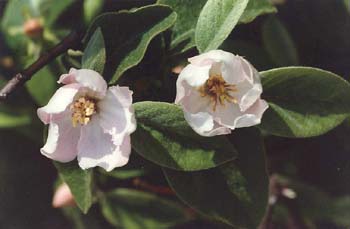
(88, 121)
(219, 92)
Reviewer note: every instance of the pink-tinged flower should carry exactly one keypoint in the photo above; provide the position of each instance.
(219, 92)
(63, 197)
(88, 121)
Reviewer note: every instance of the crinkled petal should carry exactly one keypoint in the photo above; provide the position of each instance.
(247, 94)
(62, 140)
(116, 113)
(227, 115)
(251, 73)
(250, 89)
(218, 130)
(87, 78)
(231, 68)
(193, 102)
(58, 103)
(253, 115)
(209, 57)
(96, 148)
(231, 116)
(194, 76)
(201, 122)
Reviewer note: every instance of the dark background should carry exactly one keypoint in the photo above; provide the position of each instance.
(321, 32)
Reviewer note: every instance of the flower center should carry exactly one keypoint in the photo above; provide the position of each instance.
(218, 91)
(83, 109)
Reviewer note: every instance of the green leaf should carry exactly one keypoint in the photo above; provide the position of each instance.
(278, 43)
(18, 11)
(50, 10)
(164, 137)
(132, 209)
(95, 53)
(304, 102)
(216, 21)
(235, 193)
(347, 5)
(40, 93)
(12, 22)
(11, 118)
(126, 43)
(256, 8)
(79, 182)
(184, 27)
(91, 220)
(124, 174)
(91, 9)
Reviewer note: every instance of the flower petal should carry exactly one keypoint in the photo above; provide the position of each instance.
(63, 197)
(218, 130)
(194, 76)
(209, 57)
(58, 103)
(87, 78)
(203, 124)
(230, 68)
(190, 98)
(230, 116)
(226, 115)
(253, 115)
(247, 94)
(62, 140)
(116, 113)
(96, 148)
(250, 89)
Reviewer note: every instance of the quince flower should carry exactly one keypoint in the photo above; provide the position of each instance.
(219, 92)
(88, 121)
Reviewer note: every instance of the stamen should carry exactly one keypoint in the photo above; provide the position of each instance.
(218, 91)
(83, 109)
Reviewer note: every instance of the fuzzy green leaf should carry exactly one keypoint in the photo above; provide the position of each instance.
(164, 137)
(91, 9)
(256, 8)
(51, 10)
(127, 35)
(79, 182)
(182, 36)
(95, 53)
(128, 208)
(46, 76)
(11, 118)
(216, 21)
(304, 102)
(235, 193)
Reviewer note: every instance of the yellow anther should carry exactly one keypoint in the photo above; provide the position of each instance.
(218, 90)
(82, 110)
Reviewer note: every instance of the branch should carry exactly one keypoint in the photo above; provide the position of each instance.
(71, 41)
(266, 223)
(277, 194)
(162, 190)
(274, 194)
